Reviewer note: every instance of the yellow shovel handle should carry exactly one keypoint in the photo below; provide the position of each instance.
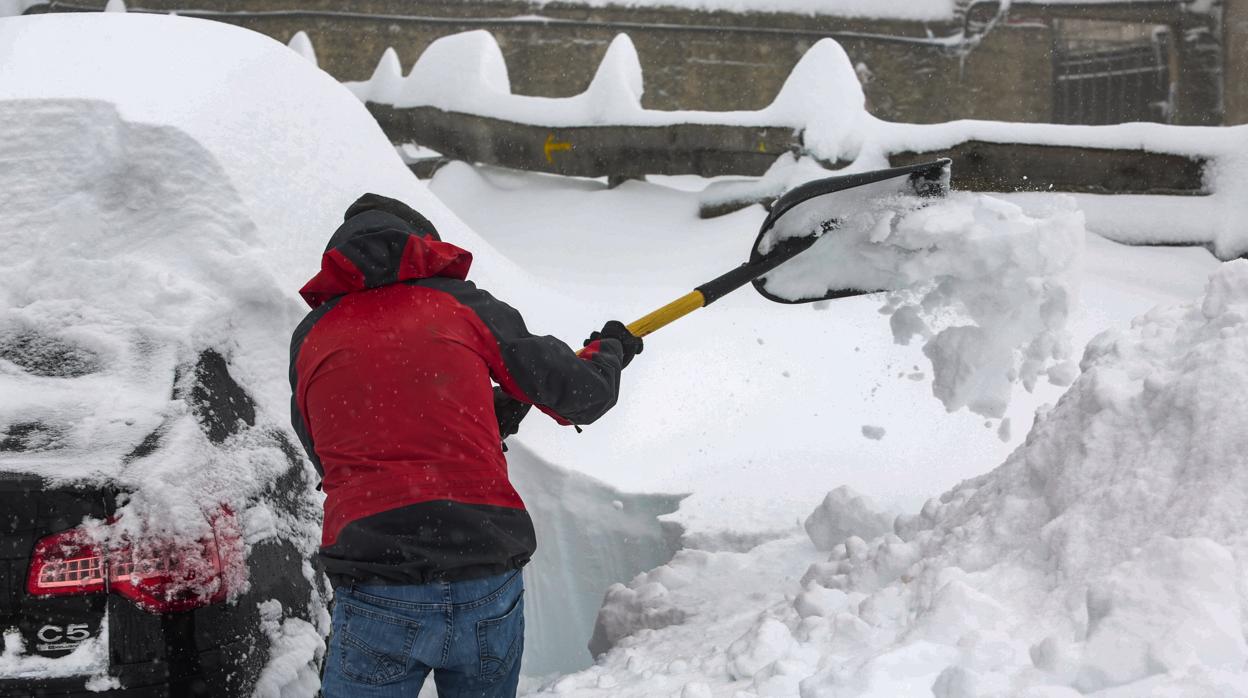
(666, 315)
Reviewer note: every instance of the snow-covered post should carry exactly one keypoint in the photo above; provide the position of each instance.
(301, 44)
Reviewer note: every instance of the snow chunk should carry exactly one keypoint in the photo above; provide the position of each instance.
(873, 432)
(296, 646)
(627, 609)
(845, 513)
(763, 644)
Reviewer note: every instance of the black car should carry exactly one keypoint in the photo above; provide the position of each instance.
(96, 605)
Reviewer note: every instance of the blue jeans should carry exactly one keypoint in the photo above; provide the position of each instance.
(386, 639)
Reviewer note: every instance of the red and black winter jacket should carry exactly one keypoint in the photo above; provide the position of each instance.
(391, 377)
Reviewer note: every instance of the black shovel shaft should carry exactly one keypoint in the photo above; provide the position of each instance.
(783, 251)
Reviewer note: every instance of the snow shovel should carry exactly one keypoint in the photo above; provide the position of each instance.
(799, 219)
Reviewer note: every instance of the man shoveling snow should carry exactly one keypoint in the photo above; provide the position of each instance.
(424, 535)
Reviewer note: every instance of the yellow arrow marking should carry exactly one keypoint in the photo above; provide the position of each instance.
(552, 145)
(762, 147)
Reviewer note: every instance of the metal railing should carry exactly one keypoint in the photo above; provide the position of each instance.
(1113, 85)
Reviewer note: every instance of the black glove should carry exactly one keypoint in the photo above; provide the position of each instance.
(509, 411)
(616, 330)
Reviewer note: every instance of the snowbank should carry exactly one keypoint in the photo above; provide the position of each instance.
(1105, 556)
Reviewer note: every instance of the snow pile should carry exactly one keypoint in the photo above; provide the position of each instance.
(288, 673)
(987, 288)
(1106, 556)
(1108, 551)
(844, 513)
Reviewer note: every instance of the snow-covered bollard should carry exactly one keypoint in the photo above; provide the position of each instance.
(842, 514)
(301, 44)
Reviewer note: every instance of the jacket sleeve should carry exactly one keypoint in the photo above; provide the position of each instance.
(543, 370)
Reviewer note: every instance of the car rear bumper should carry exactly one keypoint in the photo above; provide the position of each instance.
(216, 678)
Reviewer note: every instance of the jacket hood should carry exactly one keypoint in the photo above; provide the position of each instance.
(376, 248)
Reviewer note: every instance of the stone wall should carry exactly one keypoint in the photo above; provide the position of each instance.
(1235, 26)
(691, 60)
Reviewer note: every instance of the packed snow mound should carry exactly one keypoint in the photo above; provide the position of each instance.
(1105, 557)
(987, 288)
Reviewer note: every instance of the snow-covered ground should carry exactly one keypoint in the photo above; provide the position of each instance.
(1105, 557)
(1106, 554)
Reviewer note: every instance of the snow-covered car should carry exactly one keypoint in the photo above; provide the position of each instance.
(167, 185)
(136, 609)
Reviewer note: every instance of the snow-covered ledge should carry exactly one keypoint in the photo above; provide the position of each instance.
(824, 102)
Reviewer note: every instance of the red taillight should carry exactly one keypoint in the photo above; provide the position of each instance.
(159, 576)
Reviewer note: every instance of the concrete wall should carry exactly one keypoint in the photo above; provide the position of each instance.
(712, 61)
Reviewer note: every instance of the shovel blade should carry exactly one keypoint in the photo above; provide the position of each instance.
(838, 211)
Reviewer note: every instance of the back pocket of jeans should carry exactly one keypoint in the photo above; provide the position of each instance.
(376, 647)
(501, 640)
